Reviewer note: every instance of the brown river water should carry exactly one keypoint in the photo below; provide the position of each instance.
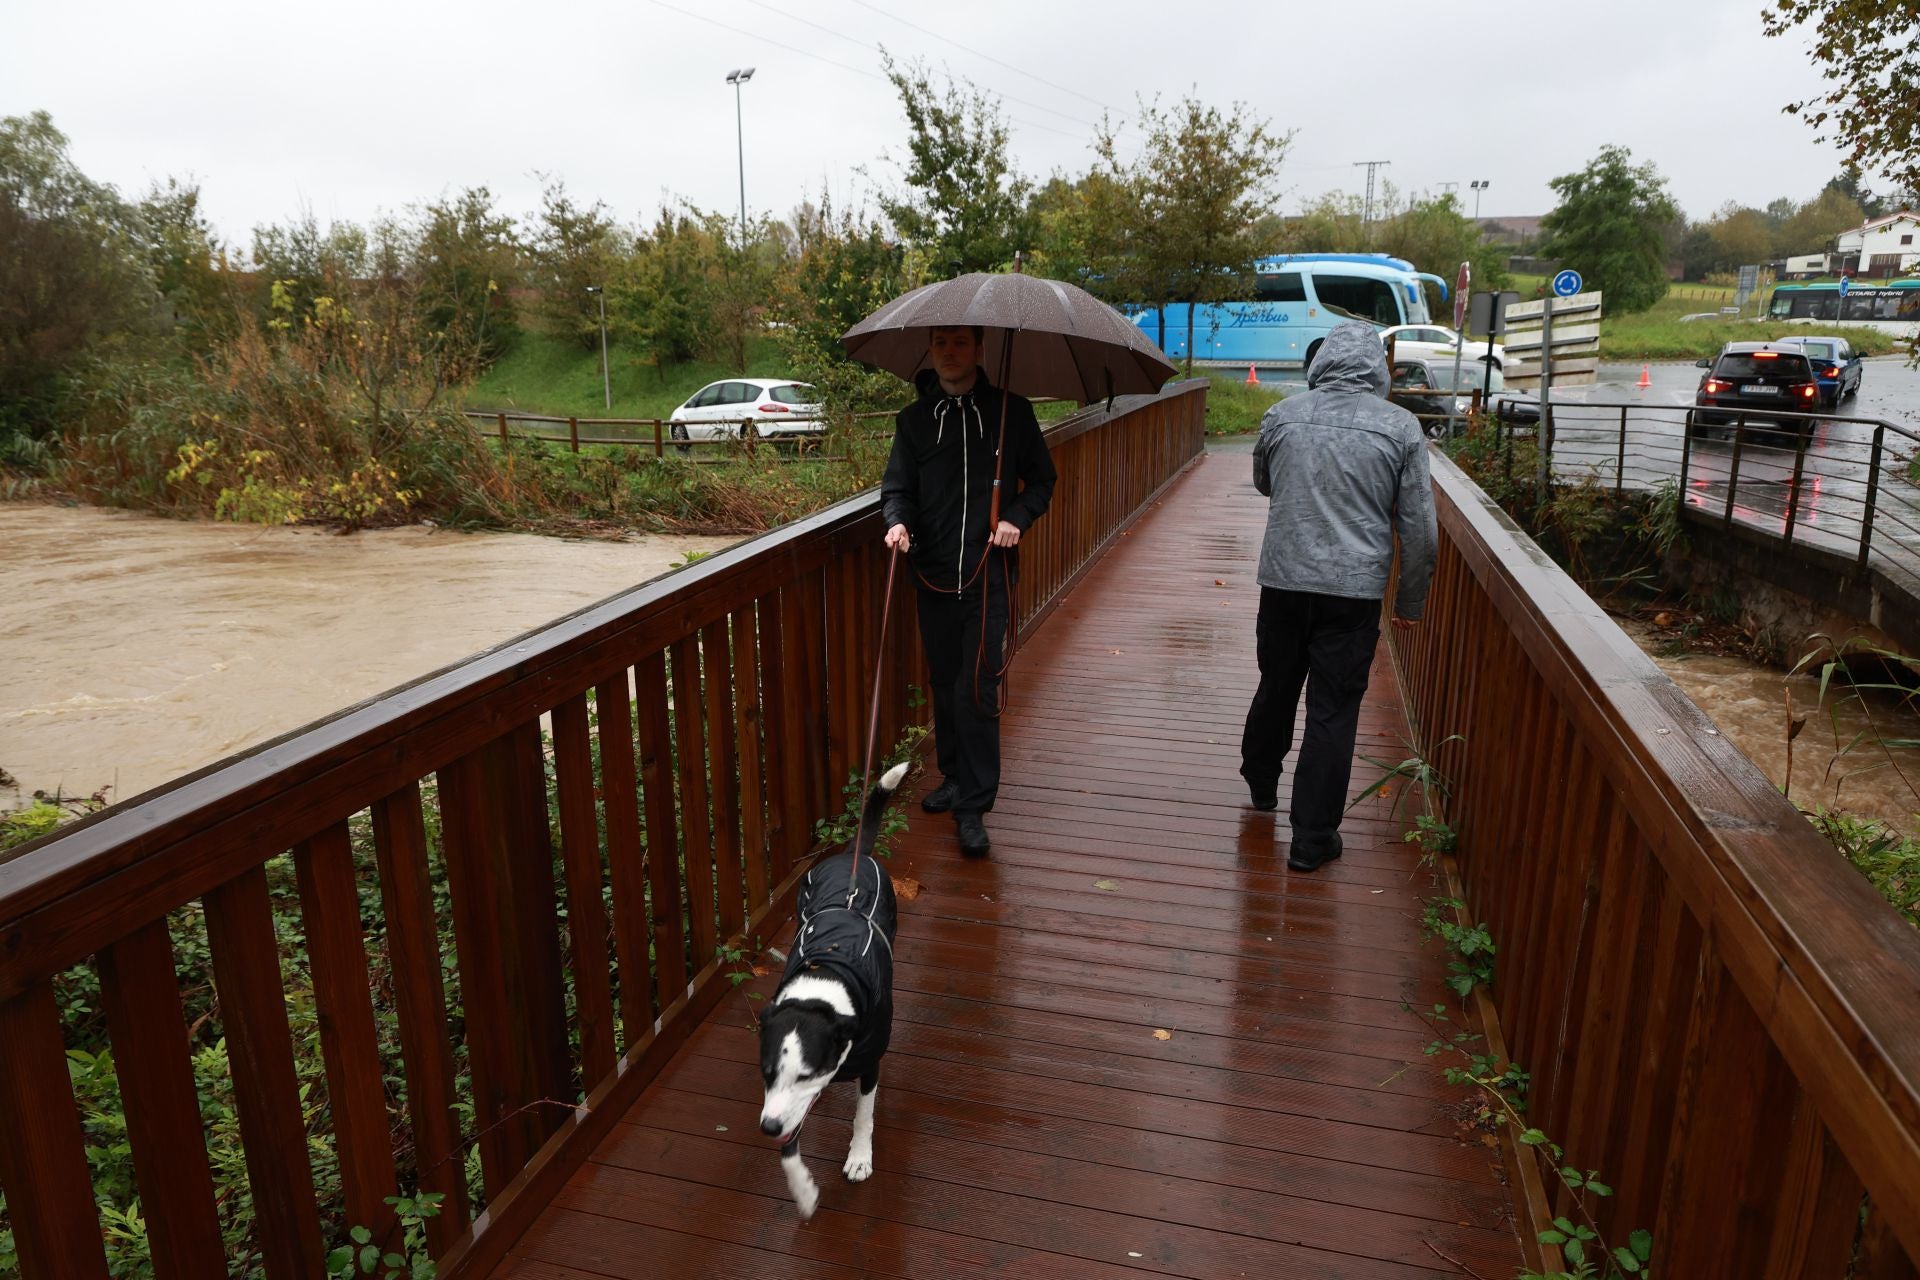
(134, 649)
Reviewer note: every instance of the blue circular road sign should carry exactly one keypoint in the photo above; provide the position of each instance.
(1566, 284)
(1845, 282)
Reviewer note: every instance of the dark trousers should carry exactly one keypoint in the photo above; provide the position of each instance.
(966, 723)
(1326, 644)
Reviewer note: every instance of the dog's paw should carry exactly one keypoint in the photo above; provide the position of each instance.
(806, 1199)
(859, 1166)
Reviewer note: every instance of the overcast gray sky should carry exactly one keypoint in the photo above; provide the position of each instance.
(360, 106)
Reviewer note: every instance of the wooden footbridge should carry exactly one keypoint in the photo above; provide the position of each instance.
(499, 935)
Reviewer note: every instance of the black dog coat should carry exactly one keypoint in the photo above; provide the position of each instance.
(853, 943)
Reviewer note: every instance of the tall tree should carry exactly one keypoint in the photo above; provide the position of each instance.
(964, 204)
(1436, 236)
(1610, 224)
(1814, 225)
(73, 267)
(1741, 236)
(1868, 51)
(575, 246)
(466, 258)
(1206, 182)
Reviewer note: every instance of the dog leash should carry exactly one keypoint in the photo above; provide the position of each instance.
(873, 730)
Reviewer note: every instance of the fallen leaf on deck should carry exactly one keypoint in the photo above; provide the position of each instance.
(759, 970)
(719, 1128)
(905, 888)
(1376, 891)
(1114, 652)
(1135, 1253)
(1108, 885)
(1163, 1035)
(1219, 582)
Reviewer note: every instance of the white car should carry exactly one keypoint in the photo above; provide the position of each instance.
(1435, 342)
(775, 406)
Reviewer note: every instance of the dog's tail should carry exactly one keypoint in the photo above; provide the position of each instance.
(877, 806)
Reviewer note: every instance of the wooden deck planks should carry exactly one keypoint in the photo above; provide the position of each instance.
(1030, 1124)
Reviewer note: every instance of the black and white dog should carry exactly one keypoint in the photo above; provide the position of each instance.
(832, 1015)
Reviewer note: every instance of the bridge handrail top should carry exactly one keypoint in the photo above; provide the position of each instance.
(427, 720)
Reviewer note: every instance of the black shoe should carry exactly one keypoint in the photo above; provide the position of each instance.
(973, 835)
(1310, 853)
(1265, 795)
(941, 798)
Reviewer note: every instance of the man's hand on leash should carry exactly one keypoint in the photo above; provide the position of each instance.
(897, 538)
(1005, 535)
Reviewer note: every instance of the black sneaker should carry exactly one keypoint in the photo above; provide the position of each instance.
(1265, 795)
(1310, 853)
(973, 834)
(941, 798)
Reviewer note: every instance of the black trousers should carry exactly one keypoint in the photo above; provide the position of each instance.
(966, 723)
(1326, 644)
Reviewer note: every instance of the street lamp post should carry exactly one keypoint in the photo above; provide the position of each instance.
(736, 79)
(1477, 186)
(606, 383)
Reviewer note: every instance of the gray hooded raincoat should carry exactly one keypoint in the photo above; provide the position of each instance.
(1346, 470)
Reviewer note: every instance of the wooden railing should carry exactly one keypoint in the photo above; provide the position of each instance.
(1718, 1012)
(700, 725)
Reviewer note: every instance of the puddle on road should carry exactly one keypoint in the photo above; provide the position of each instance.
(135, 649)
(1748, 701)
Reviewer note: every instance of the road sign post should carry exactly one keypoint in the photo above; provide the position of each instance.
(1460, 284)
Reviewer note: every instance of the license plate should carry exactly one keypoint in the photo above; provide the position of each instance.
(1759, 391)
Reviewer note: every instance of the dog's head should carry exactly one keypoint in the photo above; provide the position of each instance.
(804, 1038)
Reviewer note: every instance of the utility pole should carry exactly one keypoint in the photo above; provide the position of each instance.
(1366, 218)
(1449, 186)
(736, 79)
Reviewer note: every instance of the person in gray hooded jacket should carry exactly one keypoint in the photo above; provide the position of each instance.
(1343, 471)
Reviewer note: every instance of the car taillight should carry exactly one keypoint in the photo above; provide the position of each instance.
(1714, 384)
(773, 408)
(1831, 371)
(1766, 355)
(1808, 390)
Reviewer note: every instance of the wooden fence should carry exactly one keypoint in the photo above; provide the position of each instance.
(700, 725)
(1719, 1014)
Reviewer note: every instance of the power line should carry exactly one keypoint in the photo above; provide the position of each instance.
(989, 57)
(855, 40)
(1366, 218)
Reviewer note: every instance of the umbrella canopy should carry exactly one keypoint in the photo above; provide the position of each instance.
(1064, 342)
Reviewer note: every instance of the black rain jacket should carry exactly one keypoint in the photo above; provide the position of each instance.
(854, 944)
(939, 480)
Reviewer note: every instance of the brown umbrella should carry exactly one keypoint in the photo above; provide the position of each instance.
(1043, 337)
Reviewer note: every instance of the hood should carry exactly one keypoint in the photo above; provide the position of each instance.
(1351, 358)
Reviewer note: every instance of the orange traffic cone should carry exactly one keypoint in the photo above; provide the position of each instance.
(1253, 379)
(1645, 381)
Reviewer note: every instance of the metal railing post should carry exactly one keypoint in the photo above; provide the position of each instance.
(1793, 491)
(1873, 486)
(1733, 474)
(1620, 462)
(1686, 452)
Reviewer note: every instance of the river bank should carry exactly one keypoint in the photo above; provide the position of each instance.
(134, 649)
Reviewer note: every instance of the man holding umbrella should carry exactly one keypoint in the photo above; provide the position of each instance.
(958, 494)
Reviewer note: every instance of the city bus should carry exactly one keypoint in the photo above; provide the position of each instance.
(1298, 298)
(1887, 301)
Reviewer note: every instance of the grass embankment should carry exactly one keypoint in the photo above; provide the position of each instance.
(1659, 333)
(1234, 408)
(548, 376)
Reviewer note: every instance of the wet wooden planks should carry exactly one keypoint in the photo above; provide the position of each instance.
(1030, 1123)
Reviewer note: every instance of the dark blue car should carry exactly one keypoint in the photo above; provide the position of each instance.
(1836, 366)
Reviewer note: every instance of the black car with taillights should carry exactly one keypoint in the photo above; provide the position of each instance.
(1756, 382)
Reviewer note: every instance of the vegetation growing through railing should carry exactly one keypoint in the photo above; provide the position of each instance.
(1888, 857)
(839, 829)
(413, 1260)
(1500, 1084)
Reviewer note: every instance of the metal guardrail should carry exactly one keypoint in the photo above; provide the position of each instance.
(1835, 482)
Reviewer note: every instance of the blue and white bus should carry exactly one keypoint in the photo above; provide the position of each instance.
(1896, 301)
(1298, 298)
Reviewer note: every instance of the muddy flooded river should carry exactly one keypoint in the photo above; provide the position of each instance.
(135, 649)
(1749, 702)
